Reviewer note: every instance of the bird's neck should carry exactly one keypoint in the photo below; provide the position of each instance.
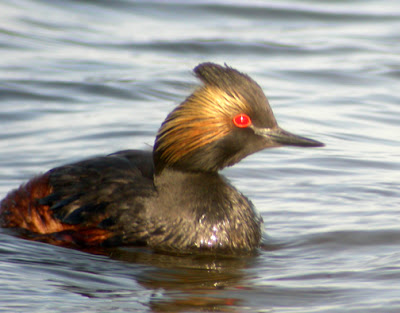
(213, 212)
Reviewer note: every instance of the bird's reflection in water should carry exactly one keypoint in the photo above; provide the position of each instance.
(189, 282)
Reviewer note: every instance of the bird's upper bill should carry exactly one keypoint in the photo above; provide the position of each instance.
(285, 138)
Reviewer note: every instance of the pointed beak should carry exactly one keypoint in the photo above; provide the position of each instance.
(282, 137)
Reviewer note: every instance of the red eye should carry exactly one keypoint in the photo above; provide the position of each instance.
(242, 120)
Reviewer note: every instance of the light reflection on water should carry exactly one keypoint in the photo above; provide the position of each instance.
(84, 78)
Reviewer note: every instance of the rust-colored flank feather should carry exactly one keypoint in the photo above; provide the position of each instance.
(21, 209)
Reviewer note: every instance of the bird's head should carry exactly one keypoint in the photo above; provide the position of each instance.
(223, 121)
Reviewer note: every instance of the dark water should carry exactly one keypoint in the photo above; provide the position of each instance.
(83, 78)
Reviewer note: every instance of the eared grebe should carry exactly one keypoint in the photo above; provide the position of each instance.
(172, 198)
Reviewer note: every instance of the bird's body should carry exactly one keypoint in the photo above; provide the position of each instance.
(172, 198)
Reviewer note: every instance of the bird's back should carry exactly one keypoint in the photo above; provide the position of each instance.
(82, 203)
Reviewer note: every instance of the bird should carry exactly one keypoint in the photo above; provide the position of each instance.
(172, 198)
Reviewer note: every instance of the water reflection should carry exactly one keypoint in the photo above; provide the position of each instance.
(183, 282)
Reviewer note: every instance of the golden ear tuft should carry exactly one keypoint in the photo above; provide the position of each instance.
(206, 116)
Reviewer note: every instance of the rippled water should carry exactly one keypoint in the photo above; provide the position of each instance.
(83, 78)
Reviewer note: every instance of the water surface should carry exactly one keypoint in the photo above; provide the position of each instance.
(85, 78)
